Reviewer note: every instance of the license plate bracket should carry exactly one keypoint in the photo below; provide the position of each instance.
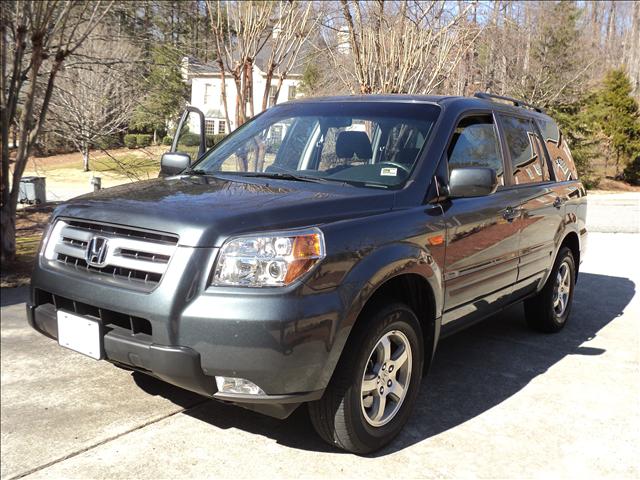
(80, 334)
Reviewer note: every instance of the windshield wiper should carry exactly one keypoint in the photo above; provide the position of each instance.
(196, 171)
(282, 176)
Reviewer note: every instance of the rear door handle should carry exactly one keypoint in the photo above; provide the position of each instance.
(510, 213)
(558, 202)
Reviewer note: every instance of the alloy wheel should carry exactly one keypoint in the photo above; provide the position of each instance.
(562, 289)
(386, 378)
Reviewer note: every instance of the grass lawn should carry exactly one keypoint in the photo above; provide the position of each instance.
(122, 162)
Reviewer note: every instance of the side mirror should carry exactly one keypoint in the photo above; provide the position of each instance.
(472, 182)
(173, 163)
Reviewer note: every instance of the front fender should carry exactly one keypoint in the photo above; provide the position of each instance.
(367, 276)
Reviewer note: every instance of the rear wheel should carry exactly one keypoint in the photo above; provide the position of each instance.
(376, 383)
(549, 310)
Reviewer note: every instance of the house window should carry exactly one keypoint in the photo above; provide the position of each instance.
(209, 127)
(208, 92)
(292, 92)
(272, 95)
(222, 126)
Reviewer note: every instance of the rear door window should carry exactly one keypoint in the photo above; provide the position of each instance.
(475, 144)
(528, 161)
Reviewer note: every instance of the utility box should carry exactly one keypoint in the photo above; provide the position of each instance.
(33, 190)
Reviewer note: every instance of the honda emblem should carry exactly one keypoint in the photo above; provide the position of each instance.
(97, 251)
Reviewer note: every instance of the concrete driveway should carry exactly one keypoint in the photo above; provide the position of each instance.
(500, 401)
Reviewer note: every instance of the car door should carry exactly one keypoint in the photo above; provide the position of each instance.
(541, 201)
(481, 257)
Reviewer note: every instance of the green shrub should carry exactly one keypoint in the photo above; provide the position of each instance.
(143, 140)
(190, 140)
(632, 172)
(167, 140)
(108, 141)
(212, 140)
(131, 141)
(51, 144)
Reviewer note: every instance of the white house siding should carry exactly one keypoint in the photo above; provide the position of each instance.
(214, 110)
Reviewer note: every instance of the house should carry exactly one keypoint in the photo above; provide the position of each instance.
(206, 92)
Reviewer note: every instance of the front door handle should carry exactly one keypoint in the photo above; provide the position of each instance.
(510, 213)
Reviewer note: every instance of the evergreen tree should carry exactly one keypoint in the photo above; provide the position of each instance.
(166, 94)
(616, 115)
(310, 79)
(577, 125)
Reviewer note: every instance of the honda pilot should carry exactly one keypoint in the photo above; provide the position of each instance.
(318, 253)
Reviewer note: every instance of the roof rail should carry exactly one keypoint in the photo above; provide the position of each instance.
(515, 101)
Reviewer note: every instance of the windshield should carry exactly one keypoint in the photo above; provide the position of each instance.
(369, 144)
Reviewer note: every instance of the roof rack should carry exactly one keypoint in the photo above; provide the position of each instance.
(515, 101)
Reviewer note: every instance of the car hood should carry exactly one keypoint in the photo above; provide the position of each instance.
(205, 210)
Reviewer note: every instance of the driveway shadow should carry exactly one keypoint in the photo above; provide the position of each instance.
(473, 370)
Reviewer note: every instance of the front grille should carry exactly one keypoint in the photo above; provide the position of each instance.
(131, 257)
(109, 318)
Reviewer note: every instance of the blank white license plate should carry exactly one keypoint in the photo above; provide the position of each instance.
(80, 334)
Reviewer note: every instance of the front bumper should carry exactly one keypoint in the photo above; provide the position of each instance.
(180, 366)
(286, 340)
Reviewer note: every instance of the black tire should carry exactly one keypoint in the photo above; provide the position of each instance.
(339, 416)
(540, 311)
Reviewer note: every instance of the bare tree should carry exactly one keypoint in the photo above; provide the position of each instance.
(632, 44)
(242, 31)
(239, 30)
(95, 98)
(293, 25)
(403, 46)
(36, 38)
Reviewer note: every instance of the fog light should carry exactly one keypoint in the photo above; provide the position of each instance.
(237, 385)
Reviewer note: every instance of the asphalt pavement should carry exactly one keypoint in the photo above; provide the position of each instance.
(500, 400)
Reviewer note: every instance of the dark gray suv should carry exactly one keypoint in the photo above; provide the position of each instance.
(318, 253)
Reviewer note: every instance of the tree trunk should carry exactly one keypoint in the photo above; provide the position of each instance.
(611, 27)
(223, 95)
(249, 74)
(85, 157)
(155, 136)
(267, 87)
(8, 228)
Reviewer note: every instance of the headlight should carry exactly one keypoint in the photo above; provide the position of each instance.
(268, 260)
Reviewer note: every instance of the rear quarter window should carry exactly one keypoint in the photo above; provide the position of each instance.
(527, 157)
(562, 162)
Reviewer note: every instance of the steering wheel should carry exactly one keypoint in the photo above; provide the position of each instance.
(402, 167)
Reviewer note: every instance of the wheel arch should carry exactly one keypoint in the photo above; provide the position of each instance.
(572, 241)
(416, 292)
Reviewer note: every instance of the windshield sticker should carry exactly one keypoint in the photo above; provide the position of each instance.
(389, 172)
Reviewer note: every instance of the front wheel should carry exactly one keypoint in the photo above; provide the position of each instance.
(376, 382)
(549, 310)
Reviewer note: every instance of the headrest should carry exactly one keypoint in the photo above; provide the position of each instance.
(350, 143)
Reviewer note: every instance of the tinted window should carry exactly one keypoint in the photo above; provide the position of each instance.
(525, 148)
(561, 159)
(475, 144)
